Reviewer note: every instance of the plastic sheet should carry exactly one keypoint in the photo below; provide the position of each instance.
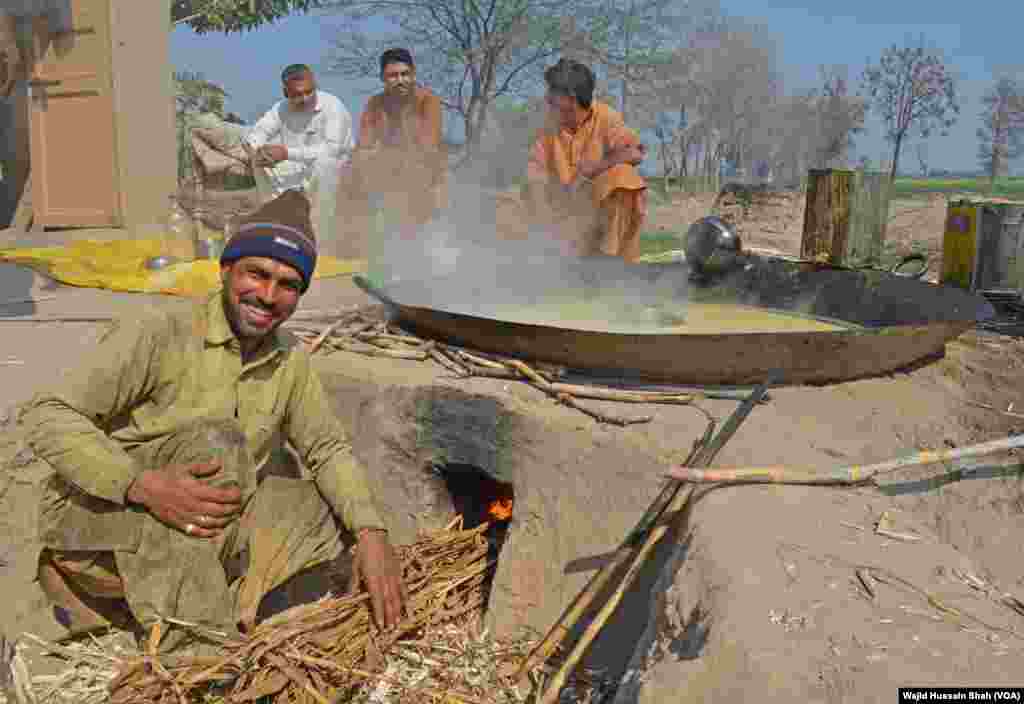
(120, 265)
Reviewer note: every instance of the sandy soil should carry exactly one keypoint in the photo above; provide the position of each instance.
(975, 523)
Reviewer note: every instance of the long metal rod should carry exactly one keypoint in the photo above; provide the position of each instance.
(670, 498)
(705, 455)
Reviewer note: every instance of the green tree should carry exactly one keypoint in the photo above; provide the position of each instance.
(913, 92)
(235, 15)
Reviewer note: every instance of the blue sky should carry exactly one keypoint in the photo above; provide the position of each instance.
(976, 40)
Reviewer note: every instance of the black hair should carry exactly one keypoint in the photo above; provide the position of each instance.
(293, 71)
(395, 56)
(573, 79)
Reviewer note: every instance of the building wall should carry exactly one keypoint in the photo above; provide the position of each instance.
(144, 107)
(14, 153)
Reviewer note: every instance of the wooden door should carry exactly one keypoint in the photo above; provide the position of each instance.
(73, 152)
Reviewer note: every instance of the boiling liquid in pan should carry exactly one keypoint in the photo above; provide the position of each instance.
(688, 319)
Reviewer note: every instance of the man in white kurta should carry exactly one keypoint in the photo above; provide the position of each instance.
(302, 142)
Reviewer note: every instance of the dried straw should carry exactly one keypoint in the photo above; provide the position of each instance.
(320, 651)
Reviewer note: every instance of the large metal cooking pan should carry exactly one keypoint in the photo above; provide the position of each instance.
(895, 320)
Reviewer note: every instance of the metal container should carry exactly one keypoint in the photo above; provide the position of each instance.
(894, 320)
(983, 245)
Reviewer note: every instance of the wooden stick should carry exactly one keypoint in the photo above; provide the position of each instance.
(554, 689)
(372, 351)
(479, 361)
(323, 336)
(442, 358)
(567, 399)
(855, 474)
(993, 408)
(606, 394)
(559, 631)
(389, 337)
(673, 494)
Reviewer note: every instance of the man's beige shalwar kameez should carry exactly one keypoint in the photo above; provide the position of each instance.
(171, 388)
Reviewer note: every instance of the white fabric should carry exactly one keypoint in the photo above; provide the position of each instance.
(319, 143)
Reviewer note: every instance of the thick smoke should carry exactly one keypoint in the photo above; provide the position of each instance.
(472, 260)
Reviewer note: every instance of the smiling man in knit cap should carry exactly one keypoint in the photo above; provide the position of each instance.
(161, 504)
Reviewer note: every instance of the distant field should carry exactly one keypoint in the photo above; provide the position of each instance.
(1004, 188)
(658, 242)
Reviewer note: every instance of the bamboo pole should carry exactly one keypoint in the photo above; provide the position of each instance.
(855, 474)
(672, 496)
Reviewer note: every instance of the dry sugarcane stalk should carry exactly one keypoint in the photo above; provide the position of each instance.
(554, 689)
(856, 474)
(566, 399)
(600, 416)
(439, 355)
(445, 574)
(389, 337)
(323, 336)
(479, 361)
(673, 499)
(373, 351)
(607, 394)
(488, 373)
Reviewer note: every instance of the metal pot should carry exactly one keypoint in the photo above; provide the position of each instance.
(160, 262)
(712, 247)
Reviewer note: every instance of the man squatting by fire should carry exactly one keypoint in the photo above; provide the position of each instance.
(399, 162)
(582, 180)
(164, 503)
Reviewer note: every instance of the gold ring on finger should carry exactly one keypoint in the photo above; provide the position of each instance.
(190, 528)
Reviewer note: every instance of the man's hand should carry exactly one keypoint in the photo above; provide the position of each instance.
(591, 169)
(178, 497)
(270, 154)
(633, 154)
(382, 575)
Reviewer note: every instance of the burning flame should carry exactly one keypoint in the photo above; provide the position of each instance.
(500, 509)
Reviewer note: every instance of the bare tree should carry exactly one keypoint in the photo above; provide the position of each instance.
(913, 92)
(921, 150)
(840, 115)
(471, 53)
(630, 40)
(1001, 134)
(715, 95)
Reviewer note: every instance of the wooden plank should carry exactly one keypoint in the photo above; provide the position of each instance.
(23, 214)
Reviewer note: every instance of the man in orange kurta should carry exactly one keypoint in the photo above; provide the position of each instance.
(398, 156)
(582, 177)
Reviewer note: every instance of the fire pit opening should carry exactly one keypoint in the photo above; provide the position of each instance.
(479, 498)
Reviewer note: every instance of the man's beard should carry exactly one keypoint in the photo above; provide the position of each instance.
(242, 329)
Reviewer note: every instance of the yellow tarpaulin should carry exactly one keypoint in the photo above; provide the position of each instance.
(120, 265)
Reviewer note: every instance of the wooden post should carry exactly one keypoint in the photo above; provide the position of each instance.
(826, 216)
(845, 217)
(869, 218)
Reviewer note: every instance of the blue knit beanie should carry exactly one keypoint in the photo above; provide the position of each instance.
(279, 230)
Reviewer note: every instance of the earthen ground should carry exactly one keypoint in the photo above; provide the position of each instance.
(765, 603)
